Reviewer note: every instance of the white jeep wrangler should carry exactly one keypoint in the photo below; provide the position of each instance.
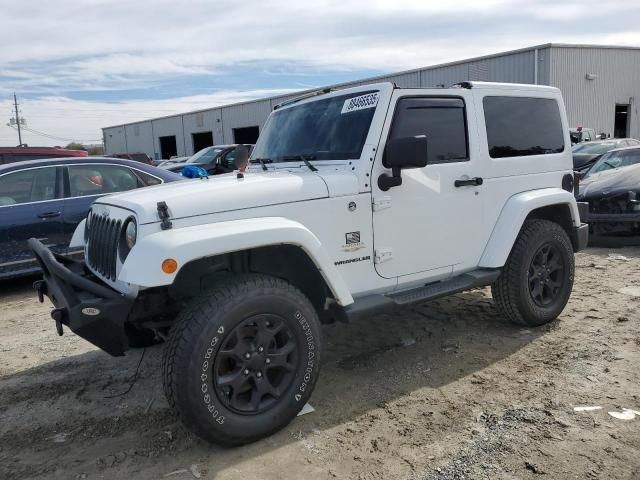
(354, 201)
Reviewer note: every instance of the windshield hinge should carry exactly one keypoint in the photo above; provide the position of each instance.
(381, 203)
(383, 255)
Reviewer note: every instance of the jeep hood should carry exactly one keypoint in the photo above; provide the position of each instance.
(221, 193)
(610, 182)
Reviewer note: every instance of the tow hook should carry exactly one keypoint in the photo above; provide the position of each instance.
(58, 314)
(41, 289)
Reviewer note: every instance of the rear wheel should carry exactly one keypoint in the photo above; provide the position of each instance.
(242, 361)
(536, 282)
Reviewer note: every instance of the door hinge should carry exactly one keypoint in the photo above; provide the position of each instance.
(381, 203)
(382, 255)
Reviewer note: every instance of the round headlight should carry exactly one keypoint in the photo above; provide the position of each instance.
(130, 234)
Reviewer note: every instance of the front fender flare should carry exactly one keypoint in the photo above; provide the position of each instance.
(142, 266)
(512, 217)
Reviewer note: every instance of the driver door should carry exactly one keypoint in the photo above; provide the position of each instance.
(428, 225)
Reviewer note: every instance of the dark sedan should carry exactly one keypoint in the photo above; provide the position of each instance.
(46, 199)
(612, 190)
(586, 154)
(215, 160)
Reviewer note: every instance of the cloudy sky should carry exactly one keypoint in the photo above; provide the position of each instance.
(81, 65)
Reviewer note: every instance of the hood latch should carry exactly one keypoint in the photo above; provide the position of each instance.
(163, 214)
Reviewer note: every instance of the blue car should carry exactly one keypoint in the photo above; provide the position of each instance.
(46, 199)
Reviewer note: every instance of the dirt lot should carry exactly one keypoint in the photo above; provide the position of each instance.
(441, 390)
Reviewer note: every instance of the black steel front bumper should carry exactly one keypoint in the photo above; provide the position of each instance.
(87, 306)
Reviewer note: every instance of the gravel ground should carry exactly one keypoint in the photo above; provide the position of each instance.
(439, 390)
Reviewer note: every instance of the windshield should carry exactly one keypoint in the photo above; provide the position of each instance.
(617, 159)
(333, 128)
(206, 155)
(594, 148)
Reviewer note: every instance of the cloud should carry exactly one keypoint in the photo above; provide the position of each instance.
(148, 51)
(69, 119)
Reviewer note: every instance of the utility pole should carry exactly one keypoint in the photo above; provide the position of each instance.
(15, 104)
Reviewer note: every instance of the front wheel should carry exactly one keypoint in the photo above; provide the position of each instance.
(242, 361)
(536, 282)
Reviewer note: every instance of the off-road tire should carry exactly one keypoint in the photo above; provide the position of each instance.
(511, 291)
(193, 349)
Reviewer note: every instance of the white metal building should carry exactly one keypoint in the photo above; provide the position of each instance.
(600, 85)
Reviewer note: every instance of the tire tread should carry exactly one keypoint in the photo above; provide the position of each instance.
(505, 290)
(191, 320)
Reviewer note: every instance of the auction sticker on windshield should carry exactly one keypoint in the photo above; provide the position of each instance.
(370, 100)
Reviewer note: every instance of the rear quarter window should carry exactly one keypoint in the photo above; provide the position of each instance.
(522, 126)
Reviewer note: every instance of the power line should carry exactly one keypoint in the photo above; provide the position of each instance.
(54, 137)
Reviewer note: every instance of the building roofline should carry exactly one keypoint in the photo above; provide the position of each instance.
(383, 76)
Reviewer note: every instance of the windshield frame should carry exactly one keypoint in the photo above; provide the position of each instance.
(383, 90)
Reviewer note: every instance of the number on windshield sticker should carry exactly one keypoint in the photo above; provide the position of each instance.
(370, 100)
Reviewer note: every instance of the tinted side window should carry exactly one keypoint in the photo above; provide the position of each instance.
(100, 179)
(442, 120)
(34, 185)
(521, 126)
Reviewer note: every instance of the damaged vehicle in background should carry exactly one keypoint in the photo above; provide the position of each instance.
(586, 154)
(612, 190)
(215, 160)
(581, 134)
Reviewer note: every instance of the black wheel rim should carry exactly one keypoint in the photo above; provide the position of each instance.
(546, 275)
(255, 364)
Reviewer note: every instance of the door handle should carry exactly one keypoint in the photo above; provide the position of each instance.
(49, 215)
(471, 182)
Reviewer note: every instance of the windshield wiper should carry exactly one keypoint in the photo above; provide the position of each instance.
(611, 165)
(262, 162)
(304, 158)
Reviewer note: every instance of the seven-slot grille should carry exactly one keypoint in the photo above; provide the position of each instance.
(102, 247)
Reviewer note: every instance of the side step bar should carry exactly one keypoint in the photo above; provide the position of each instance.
(376, 303)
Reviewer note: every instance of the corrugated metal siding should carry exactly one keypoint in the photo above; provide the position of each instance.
(544, 66)
(164, 127)
(514, 68)
(591, 103)
(444, 76)
(246, 115)
(115, 140)
(404, 80)
(139, 139)
(205, 121)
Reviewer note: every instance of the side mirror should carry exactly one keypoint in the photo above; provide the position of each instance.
(406, 152)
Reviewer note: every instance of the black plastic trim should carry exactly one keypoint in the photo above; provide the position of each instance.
(374, 304)
(580, 237)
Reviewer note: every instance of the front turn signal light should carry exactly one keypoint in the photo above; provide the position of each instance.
(169, 265)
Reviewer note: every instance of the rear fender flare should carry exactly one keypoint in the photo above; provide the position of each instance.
(512, 217)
